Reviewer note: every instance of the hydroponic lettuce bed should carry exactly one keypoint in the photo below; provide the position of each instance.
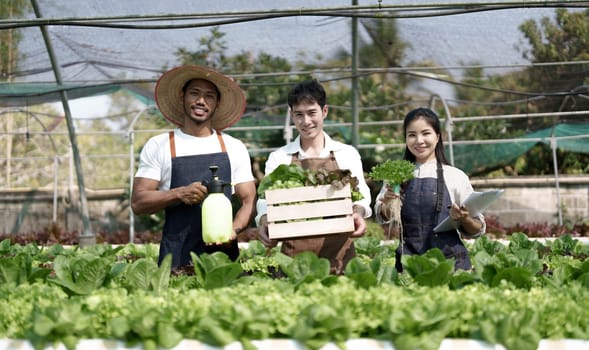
(288, 344)
(521, 295)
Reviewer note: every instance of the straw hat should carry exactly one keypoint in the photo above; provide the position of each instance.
(169, 88)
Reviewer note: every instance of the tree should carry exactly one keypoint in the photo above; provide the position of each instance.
(380, 93)
(535, 89)
(9, 38)
(496, 95)
(385, 48)
(9, 58)
(564, 41)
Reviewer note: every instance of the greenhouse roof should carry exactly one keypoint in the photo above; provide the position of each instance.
(103, 41)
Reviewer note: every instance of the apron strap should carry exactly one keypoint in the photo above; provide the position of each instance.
(172, 144)
(439, 187)
(220, 138)
(440, 184)
(295, 156)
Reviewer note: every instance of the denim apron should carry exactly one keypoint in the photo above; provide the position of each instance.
(425, 205)
(337, 248)
(182, 232)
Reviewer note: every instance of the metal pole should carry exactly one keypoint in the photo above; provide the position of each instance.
(287, 133)
(131, 174)
(553, 145)
(448, 124)
(355, 137)
(55, 176)
(86, 237)
(131, 135)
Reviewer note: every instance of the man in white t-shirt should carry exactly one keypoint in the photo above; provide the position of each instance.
(313, 149)
(174, 167)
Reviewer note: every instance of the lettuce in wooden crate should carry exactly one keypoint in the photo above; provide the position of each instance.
(309, 211)
(293, 175)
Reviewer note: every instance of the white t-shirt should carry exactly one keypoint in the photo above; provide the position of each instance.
(457, 182)
(347, 157)
(155, 161)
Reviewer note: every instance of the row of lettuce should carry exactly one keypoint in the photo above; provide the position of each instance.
(517, 294)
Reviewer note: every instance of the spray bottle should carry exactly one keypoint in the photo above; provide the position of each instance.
(217, 213)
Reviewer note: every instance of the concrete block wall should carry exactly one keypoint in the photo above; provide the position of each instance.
(535, 199)
(27, 210)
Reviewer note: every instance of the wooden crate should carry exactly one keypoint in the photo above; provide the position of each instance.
(309, 211)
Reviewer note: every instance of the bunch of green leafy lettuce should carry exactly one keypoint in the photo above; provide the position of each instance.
(393, 171)
(293, 175)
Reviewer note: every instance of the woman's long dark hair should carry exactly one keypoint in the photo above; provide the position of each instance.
(432, 119)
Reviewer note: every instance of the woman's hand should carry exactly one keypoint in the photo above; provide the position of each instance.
(468, 224)
(389, 195)
(458, 214)
(386, 200)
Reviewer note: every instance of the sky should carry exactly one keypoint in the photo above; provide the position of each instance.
(88, 107)
(487, 37)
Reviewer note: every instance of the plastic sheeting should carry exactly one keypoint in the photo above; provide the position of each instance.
(569, 137)
(25, 94)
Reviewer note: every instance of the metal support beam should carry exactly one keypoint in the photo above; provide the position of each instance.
(131, 136)
(448, 123)
(355, 92)
(87, 237)
(554, 146)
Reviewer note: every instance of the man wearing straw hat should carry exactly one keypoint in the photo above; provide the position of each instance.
(173, 166)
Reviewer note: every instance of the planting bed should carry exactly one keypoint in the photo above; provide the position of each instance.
(522, 294)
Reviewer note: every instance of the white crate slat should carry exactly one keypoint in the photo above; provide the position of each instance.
(309, 210)
(310, 228)
(318, 210)
(307, 193)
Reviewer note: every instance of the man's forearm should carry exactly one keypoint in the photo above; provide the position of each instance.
(359, 209)
(151, 202)
(243, 217)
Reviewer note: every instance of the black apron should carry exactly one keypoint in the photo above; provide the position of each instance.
(182, 232)
(337, 248)
(422, 210)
